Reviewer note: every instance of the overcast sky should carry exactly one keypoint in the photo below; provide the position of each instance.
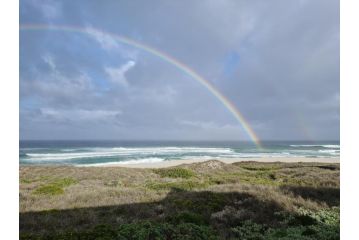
(276, 61)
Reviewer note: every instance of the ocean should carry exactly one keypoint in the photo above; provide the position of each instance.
(95, 153)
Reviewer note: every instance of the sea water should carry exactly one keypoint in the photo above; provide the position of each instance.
(93, 153)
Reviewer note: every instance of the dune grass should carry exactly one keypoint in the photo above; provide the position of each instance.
(209, 200)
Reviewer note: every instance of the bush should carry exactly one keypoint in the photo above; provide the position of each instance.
(148, 230)
(309, 225)
(250, 231)
(56, 187)
(137, 231)
(175, 173)
(187, 217)
(177, 186)
(49, 190)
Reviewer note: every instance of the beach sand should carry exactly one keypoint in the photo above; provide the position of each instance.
(172, 163)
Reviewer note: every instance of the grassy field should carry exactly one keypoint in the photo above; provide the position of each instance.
(208, 200)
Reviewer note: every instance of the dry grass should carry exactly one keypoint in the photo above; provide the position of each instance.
(217, 194)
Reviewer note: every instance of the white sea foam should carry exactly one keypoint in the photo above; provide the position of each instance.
(309, 145)
(134, 161)
(331, 152)
(68, 156)
(199, 157)
(331, 146)
(124, 152)
(69, 150)
(163, 150)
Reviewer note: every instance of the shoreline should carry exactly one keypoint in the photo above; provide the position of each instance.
(173, 163)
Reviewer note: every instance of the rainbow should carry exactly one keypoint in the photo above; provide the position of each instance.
(164, 56)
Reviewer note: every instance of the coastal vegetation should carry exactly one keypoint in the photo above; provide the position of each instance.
(208, 200)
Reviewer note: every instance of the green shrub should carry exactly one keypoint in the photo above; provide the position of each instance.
(175, 172)
(204, 204)
(178, 186)
(49, 190)
(330, 217)
(148, 230)
(250, 231)
(56, 187)
(187, 217)
(137, 231)
(307, 225)
(64, 182)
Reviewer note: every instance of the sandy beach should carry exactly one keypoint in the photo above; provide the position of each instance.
(172, 163)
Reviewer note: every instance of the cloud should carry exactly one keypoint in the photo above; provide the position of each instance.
(50, 9)
(106, 41)
(111, 44)
(117, 75)
(79, 115)
(48, 59)
(55, 87)
(213, 129)
(198, 124)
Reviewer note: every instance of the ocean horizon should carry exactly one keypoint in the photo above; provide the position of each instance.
(107, 152)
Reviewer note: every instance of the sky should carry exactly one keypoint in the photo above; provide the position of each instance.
(276, 61)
